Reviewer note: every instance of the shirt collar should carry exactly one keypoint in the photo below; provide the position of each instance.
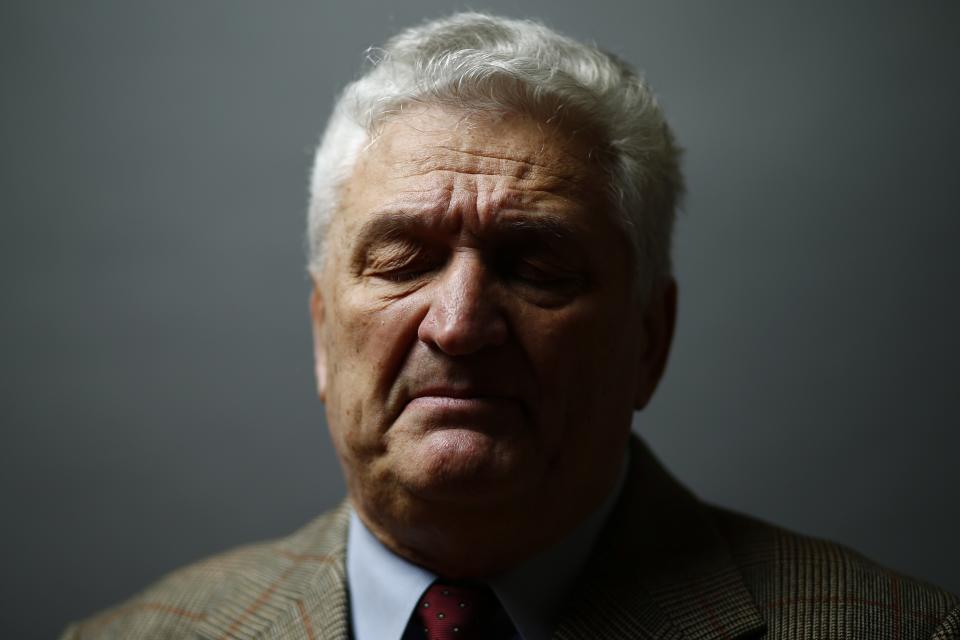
(384, 588)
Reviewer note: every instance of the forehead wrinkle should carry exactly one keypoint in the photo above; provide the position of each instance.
(466, 181)
(519, 197)
(465, 198)
(493, 190)
(495, 162)
(507, 159)
(453, 204)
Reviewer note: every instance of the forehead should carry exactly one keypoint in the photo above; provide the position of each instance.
(473, 169)
(512, 145)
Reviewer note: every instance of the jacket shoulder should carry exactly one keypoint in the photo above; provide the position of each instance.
(179, 604)
(806, 587)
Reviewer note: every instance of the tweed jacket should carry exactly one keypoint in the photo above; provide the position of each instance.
(666, 566)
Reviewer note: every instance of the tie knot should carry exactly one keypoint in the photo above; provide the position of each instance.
(456, 611)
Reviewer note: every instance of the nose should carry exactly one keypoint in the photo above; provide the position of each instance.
(463, 317)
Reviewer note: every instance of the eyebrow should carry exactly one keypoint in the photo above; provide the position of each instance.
(391, 224)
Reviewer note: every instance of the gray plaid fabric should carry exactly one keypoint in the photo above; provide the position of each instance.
(666, 566)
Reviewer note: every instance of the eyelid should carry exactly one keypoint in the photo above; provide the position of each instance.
(400, 260)
(537, 269)
(547, 274)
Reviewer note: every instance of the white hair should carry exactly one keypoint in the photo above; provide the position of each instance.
(482, 63)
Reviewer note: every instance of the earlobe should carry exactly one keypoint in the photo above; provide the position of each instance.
(659, 321)
(319, 343)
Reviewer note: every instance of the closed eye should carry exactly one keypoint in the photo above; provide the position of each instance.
(404, 275)
(402, 261)
(541, 274)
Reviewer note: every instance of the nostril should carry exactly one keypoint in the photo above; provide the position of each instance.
(459, 331)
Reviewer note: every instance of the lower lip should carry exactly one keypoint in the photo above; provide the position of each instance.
(484, 414)
(439, 410)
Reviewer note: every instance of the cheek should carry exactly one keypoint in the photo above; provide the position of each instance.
(557, 342)
(369, 343)
(582, 357)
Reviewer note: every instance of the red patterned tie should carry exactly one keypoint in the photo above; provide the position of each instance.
(457, 612)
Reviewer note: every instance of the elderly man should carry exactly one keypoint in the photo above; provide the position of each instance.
(490, 226)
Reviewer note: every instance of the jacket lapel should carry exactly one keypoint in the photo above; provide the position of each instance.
(294, 589)
(660, 569)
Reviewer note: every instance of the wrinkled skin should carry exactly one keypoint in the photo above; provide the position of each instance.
(479, 342)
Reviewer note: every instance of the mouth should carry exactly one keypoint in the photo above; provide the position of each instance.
(458, 404)
(450, 391)
(459, 395)
(455, 402)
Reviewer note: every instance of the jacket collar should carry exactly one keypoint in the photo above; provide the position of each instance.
(295, 589)
(660, 569)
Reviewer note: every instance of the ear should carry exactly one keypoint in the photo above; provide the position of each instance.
(317, 319)
(659, 320)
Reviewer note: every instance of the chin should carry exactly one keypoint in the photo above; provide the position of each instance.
(466, 465)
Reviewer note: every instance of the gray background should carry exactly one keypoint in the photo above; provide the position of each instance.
(157, 393)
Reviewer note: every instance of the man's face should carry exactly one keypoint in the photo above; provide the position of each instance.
(478, 339)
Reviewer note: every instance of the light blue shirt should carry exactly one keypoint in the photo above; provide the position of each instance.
(384, 588)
